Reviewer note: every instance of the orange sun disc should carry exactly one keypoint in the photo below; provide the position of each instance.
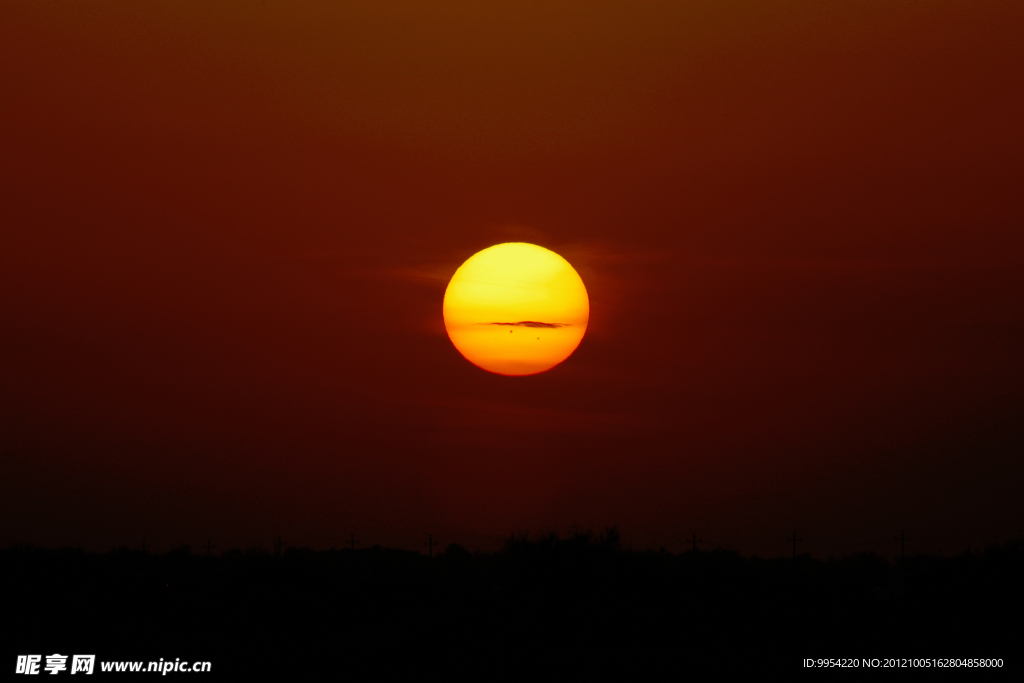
(516, 309)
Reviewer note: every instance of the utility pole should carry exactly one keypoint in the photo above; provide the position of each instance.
(278, 544)
(795, 539)
(694, 542)
(208, 546)
(352, 542)
(430, 543)
(903, 547)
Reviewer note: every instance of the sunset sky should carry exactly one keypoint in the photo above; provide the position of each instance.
(227, 229)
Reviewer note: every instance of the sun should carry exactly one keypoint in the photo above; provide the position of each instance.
(516, 309)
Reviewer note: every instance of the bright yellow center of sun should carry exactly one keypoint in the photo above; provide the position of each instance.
(516, 309)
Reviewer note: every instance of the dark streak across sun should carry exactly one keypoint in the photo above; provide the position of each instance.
(530, 323)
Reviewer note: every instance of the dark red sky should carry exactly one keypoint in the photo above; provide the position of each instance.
(227, 229)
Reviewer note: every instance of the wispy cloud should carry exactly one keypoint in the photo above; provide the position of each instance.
(529, 323)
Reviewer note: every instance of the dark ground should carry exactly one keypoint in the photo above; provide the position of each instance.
(537, 606)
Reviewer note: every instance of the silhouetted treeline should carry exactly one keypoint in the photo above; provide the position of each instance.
(582, 598)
